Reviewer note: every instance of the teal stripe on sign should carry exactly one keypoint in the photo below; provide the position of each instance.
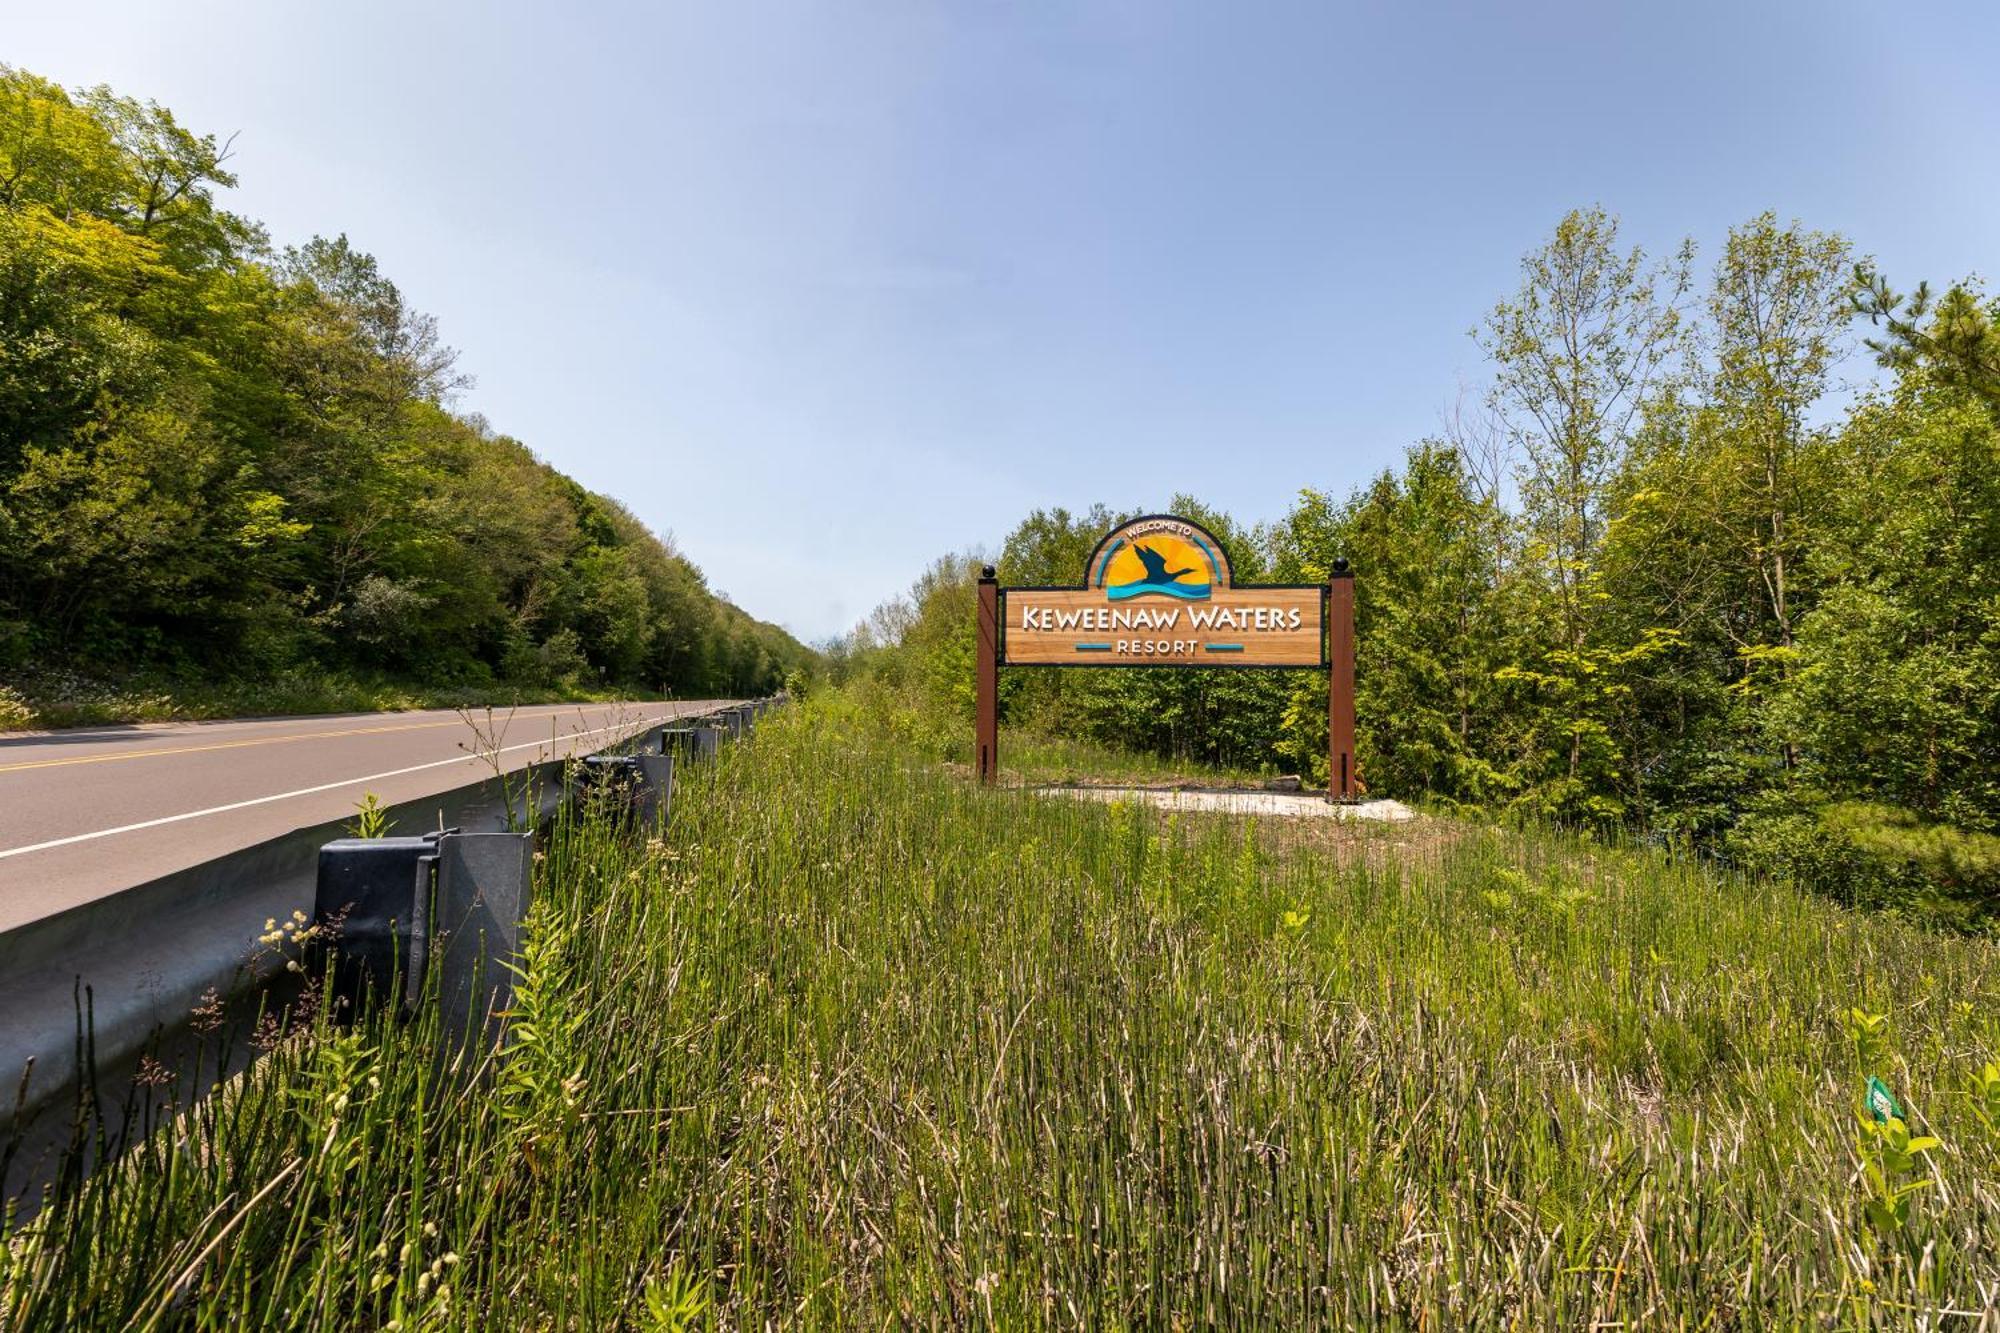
(1105, 563)
(1225, 647)
(1093, 647)
(1214, 565)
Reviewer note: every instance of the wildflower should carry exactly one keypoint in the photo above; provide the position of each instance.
(270, 1031)
(207, 1015)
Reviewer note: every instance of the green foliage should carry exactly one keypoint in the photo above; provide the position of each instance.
(219, 460)
(1890, 1158)
(1956, 336)
(1432, 627)
(1986, 1094)
(1874, 855)
(542, 1087)
(1578, 354)
(675, 1304)
(371, 820)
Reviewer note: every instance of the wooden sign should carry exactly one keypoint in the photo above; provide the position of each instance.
(1158, 592)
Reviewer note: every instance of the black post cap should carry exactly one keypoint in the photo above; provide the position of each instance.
(987, 574)
(1340, 564)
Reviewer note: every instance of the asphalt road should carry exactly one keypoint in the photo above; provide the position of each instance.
(86, 812)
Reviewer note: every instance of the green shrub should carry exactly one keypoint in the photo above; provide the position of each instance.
(1878, 857)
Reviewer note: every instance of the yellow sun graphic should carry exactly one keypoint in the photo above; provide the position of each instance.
(1176, 555)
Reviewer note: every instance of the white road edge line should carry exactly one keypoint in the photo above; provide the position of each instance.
(309, 791)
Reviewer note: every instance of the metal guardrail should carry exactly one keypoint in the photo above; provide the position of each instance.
(84, 993)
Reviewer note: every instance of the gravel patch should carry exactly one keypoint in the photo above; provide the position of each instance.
(1282, 804)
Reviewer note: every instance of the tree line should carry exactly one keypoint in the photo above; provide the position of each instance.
(1676, 573)
(222, 457)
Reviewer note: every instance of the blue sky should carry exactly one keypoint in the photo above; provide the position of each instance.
(825, 291)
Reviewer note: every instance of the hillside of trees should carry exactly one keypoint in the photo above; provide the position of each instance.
(224, 459)
(1689, 570)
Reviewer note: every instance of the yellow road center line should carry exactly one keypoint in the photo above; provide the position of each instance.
(230, 745)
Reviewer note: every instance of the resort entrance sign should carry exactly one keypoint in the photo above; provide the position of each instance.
(1157, 592)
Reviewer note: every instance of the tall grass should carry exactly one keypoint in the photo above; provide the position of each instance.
(854, 1043)
(1036, 757)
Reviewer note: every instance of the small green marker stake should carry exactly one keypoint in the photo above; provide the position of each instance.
(1881, 1102)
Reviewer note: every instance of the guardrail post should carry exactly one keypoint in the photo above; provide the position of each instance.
(642, 783)
(692, 744)
(454, 902)
(484, 881)
(373, 897)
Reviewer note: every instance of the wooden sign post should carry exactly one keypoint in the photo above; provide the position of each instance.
(986, 734)
(1341, 780)
(1158, 592)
